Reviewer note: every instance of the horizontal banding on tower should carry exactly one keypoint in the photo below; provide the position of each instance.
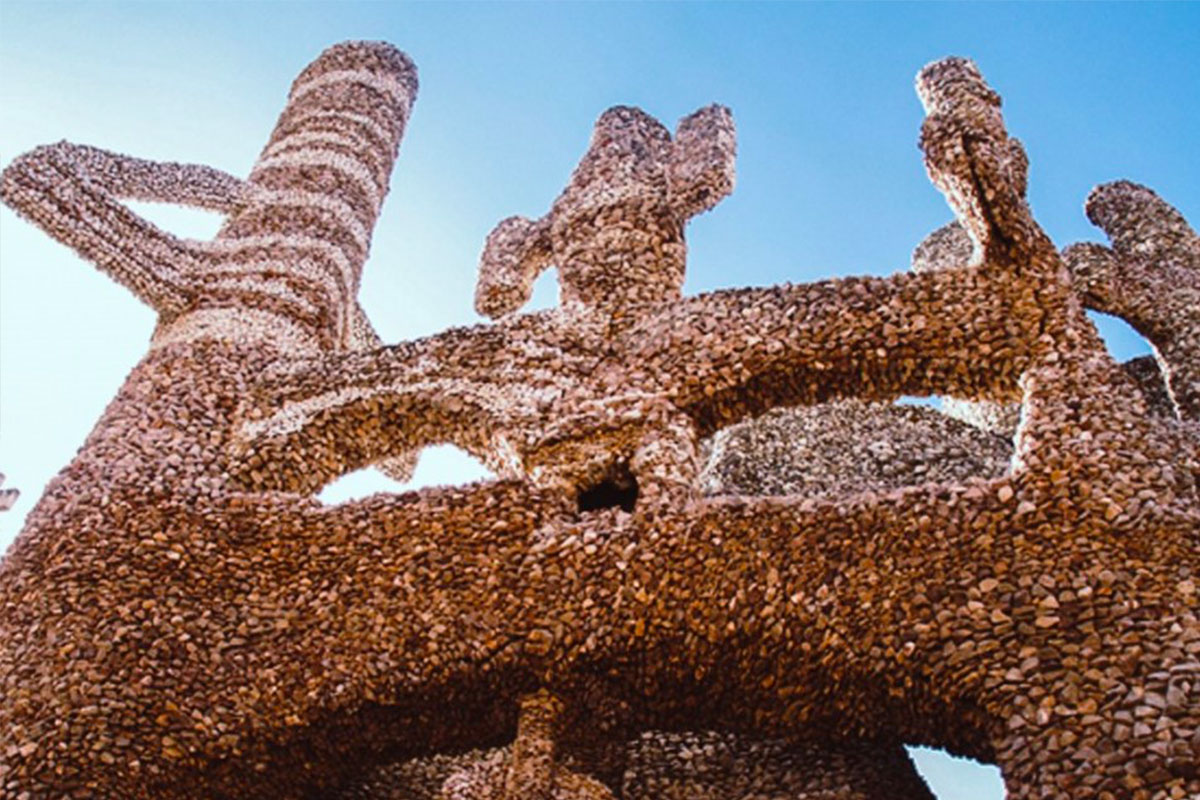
(324, 173)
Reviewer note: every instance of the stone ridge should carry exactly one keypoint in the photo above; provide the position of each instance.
(181, 618)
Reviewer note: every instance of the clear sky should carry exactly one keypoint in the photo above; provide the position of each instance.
(830, 181)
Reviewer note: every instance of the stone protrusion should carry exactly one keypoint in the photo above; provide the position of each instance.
(1150, 277)
(616, 231)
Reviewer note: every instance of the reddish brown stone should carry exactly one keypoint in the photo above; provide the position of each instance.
(181, 618)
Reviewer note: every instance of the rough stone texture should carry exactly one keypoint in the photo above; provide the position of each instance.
(616, 232)
(181, 618)
(840, 448)
(679, 766)
(1146, 372)
(710, 766)
(1150, 277)
(950, 247)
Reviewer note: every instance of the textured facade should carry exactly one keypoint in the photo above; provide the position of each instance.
(657, 598)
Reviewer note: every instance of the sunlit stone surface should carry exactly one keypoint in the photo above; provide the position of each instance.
(664, 594)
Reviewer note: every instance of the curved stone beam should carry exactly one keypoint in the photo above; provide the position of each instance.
(480, 389)
(1150, 277)
(71, 192)
(871, 338)
(131, 178)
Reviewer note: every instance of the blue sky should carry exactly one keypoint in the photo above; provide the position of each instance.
(830, 181)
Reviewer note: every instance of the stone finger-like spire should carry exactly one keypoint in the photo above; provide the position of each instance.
(971, 159)
(296, 251)
(1139, 222)
(517, 251)
(1150, 277)
(984, 175)
(702, 169)
(616, 232)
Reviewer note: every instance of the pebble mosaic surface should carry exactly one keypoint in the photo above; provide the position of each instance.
(659, 597)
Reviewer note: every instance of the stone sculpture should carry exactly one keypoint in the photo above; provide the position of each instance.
(182, 619)
(7, 496)
(1148, 278)
(616, 233)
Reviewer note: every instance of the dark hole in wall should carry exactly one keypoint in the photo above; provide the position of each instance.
(618, 489)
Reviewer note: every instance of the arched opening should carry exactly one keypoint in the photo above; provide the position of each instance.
(183, 221)
(1136, 355)
(953, 778)
(1122, 341)
(439, 465)
(930, 401)
(545, 291)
